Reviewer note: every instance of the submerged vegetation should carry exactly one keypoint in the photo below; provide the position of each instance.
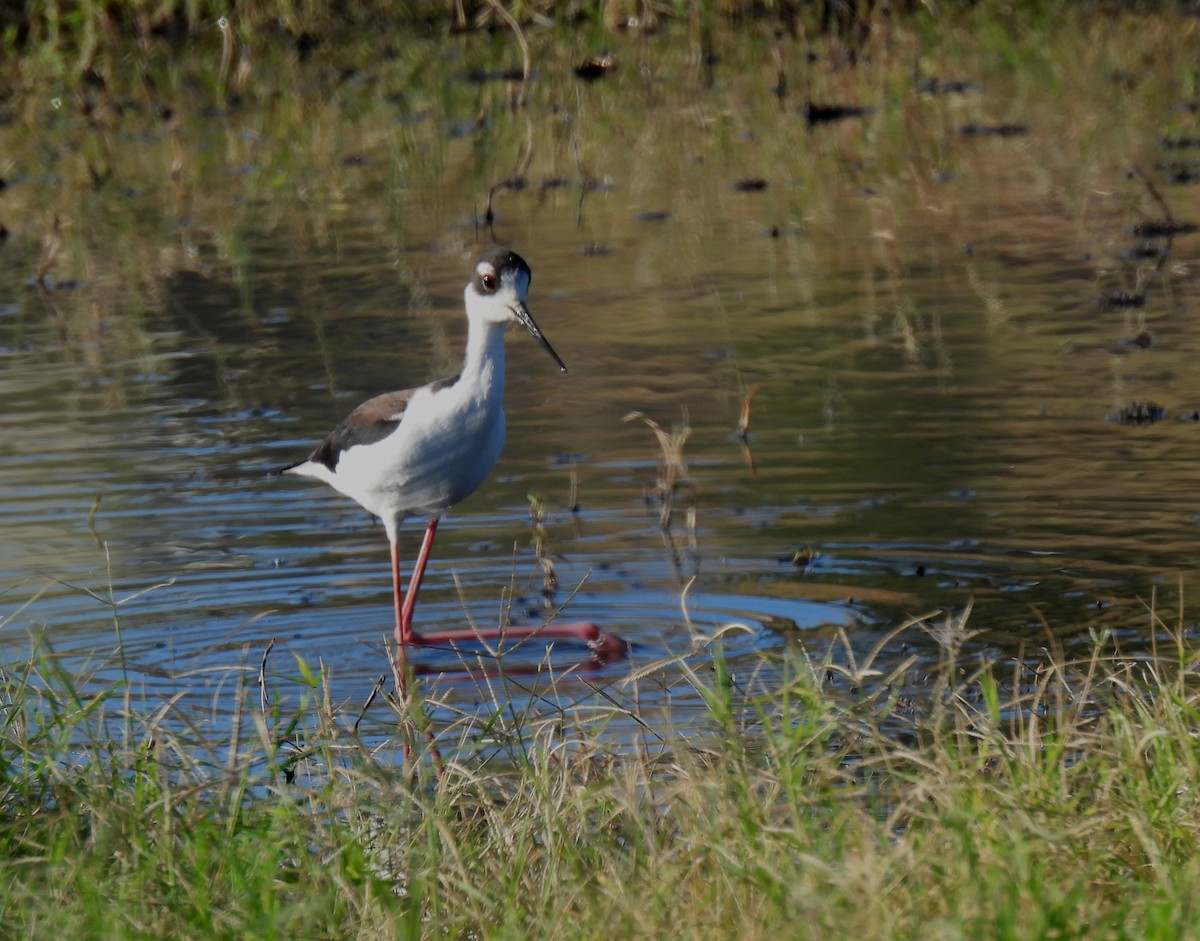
(1021, 800)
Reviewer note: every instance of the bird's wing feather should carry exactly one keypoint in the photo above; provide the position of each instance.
(372, 421)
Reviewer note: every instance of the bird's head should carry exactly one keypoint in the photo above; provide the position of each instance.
(498, 293)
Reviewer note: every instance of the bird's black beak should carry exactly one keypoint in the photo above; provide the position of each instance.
(526, 320)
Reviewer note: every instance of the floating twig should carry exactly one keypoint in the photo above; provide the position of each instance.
(91, 521)
(1167, 227)
(370, 699)
(264, 698)
(743, 426)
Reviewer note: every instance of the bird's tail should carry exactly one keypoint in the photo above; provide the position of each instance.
(280, 471)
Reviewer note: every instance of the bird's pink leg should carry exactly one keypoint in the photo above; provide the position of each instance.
(604, 647)
(401, 632)
(404, 635)
(405, 613)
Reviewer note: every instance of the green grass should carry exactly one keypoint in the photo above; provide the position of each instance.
(1056, 800)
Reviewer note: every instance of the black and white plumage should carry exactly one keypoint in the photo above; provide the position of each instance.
(420, 451)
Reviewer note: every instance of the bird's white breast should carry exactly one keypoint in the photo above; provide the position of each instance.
(444, 447)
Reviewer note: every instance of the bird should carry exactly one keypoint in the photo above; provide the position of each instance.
(419, 452)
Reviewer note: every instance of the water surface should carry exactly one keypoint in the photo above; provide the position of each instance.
(941, 327)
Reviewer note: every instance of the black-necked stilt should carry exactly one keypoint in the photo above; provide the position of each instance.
(421, 451)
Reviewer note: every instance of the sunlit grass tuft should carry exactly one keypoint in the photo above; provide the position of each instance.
(1011, 800)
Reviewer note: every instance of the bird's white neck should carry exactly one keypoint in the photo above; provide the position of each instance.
(483, 367)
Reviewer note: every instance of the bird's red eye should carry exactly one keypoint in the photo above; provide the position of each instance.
(489, 282)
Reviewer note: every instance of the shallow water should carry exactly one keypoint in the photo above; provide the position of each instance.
(916, 307)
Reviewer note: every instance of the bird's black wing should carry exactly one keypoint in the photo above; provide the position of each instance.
(372, 421)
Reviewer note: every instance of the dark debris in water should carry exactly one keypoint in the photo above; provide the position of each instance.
(1141, 412)
(1177, 168)
(653, 215)
(1121, 300)
(483, 76)
(816, 114)
(1181, 143)
(993, 130)
(306, 44)
(596, 67)
(1163, 228)
(805, 559)
(751, 185)
(1145, 250)
(947, 86)
(514, 183)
